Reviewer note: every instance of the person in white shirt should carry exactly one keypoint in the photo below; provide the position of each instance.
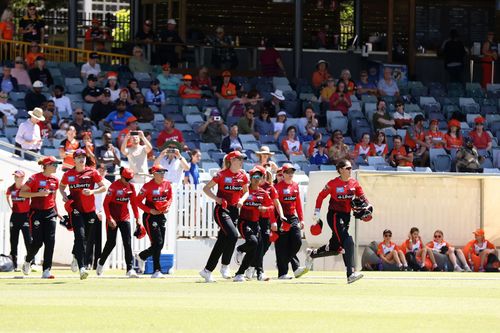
(9, 111)
(63, 103)
(91, 67)
(28, 135)
(171, 160)
(137, 154)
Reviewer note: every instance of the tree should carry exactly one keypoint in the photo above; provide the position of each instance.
(43, 4)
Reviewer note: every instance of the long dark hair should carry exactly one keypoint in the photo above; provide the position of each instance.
(341, 164)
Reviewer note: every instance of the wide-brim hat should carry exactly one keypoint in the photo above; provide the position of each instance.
(264, 150)
(278, 94)
(37, 113)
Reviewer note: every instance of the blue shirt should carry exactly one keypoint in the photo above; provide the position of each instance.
(7, 86)
(118, 123)
(389, 89)
(194, 174)
(157, 98)
(169, 82)
(319, 159)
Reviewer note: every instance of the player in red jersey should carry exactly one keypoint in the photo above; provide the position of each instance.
(42, 189)
(232, 191)
(342, 190)
(120, 193)
(290, 237)
(258, 203)
(19, 220)
(81, 181)
(154, 199)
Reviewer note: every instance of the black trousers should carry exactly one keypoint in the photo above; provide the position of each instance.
(251, 232)
(124, 227)
(84, 229)
(155, 227)
(263, 246)
(288, 245)
(43, 230)
(226, 238)
(339, 223)
(19, 222)
(94, 245)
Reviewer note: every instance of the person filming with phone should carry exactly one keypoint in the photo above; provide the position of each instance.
(171, 160)
(137, 153)
(214, 129)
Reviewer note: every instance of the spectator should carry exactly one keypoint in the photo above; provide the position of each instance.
(439, 245)
(31, 25)
(363, 149)
(41, 73)
(320, 156)
(338, 150)
(320, 75)
(154, 96)
(328, 91)
(453, 138)
(317, 137)
(117, 120)
(276, 103)
(81, 124)
(172, 38)
(96, 36)
(62, 103)
(489, 52)
(8, 110)
(279, 124)
(137, 154)
(28, 136)
(132, 89)
(270, 61)
(291, 145)
(380, 147)
(468, 159)
(34, 98)
(454, 52)
(186, 90)
(192, 176)
(237, 107)
(125, 97)
(203, 80)
(7, 26)
(263, 124)
(113, 86)
(46, 126)
(68, 146)
(436, 136)
(137, 62)
(401, 155)
(91, 67)
(108, 155)
(167, 80)
(416, 251)
(350, 86)
(340, 100)
(141, 110)
(365, 87)
(415, 139)
(8, 83)
(246, 124)
(390, 253)
(264, 156)
(481, 138)
(388, 86)
(307, 125)
(33, 54)
(171, 160)
(132, 126)
(481, 253)
(92, 93)
(227, 90)
(20, 73)
(213, 129)
(254, 101)
(169, 133)
(381, 119)
(146, 35)
(50, 108)
(232, 141)
(402, 120)
(223, 54)
(102, 108)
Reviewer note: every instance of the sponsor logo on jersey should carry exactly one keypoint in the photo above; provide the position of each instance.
(228, 180)
(290, 198)
(236, 188)
(286, 191)
(345, 196)
(156, 192)
(119, 192)
(78, 186)
(42, 183)
(122, 199)
(161, 198)
(339, 189)
(71, 178)
(250, 197)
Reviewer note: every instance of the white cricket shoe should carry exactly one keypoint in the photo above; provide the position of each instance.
(157, 275)
(26, 268)
(83, 273)
(141, 264)
(249, 273)
(47, 275)
(132, 274)
(285, 277)
(300, 271)
(262, 277)
(207, 275)
(239, 278)
(309, 259)
(225, 271)
(354, 277)
(99, 270)
(74, 265)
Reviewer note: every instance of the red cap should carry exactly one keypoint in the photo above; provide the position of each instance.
(187, 77)
(273, 236)
(140, 231)
(156, 168)
(18, 173)
(165, 67)
(68, 206)
(279, 171)
(317, 228)
(479, 232)
(235, 154)
(79, 152)
(226, 73)
(131, 120)
(258, 168)
(435, 121)
(479, 120)
(287, 166)
(48, 160)
(112, 75)
(454, 123)
(127, 173)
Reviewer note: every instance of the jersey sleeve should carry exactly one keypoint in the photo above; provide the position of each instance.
(96, 176)
(358, 190)
(31, 183)
(133, 202)
(139, 200)
(64, 179)
(322, 195)
(298, 200)
(107, 200)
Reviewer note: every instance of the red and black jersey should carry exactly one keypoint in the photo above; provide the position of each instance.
(230, 185)
(250, 209)
(19, 205)
(273, 194)
(38, 183)
(289, 197)
(117, 199)
(341, 194)
(79, 181)
(157, 196)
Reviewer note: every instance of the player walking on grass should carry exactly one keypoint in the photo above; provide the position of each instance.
(232, 191)
(42, 189)
(342, 190)
(157, 197)
(290, 237)
(81, 181)
(120, 193)
(19, 219)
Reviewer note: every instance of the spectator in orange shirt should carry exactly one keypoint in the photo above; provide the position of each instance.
(291, 145)
(453, 138)
(401, 155)
(380, 147)
(439, 245)
(363, 149)
(416, 252)
(7, 27)
(169, 133)
(312, 144)
(481, 139)
(132, 125)
(97, 35)
(33, 53)
(481, 254)
(390, 253)
(320, 75)
(437, 137)
(186, 90)
(227, 90)
(415, 139)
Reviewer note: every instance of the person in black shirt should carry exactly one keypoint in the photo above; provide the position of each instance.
(91, 93)
(32, 25)
(454, 52)
(146, 34)
(34, 98)
(167, 52)
(41, 73)
(81, 124)
(102, 108)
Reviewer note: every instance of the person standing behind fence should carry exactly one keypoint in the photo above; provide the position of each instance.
(19, 219)
(120, 193)
(28, 136)
(32, 26)
(490, 55)
(42, 189)
(232, 191)
(154, 199)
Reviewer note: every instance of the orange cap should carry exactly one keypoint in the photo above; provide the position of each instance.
(479, 232)
(226, 73)
(187, 77)
(454, 123)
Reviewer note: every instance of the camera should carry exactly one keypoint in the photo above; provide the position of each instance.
(170, 150)
(217, 118)
(134, 133)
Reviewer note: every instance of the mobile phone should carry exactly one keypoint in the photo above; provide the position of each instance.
(216, 118)
(134, 133)
(170, 150)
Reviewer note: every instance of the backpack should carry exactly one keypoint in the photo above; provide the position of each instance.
(6, 263)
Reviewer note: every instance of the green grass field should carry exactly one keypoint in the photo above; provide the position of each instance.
(318, 302)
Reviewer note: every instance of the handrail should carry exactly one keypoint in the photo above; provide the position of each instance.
(10, 49)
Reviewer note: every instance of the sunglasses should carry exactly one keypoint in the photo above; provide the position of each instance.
(54, 164)
(438, 236)
(256, 177)
(251, 112)
(78, 112)
(347, 168)
(160, 171)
